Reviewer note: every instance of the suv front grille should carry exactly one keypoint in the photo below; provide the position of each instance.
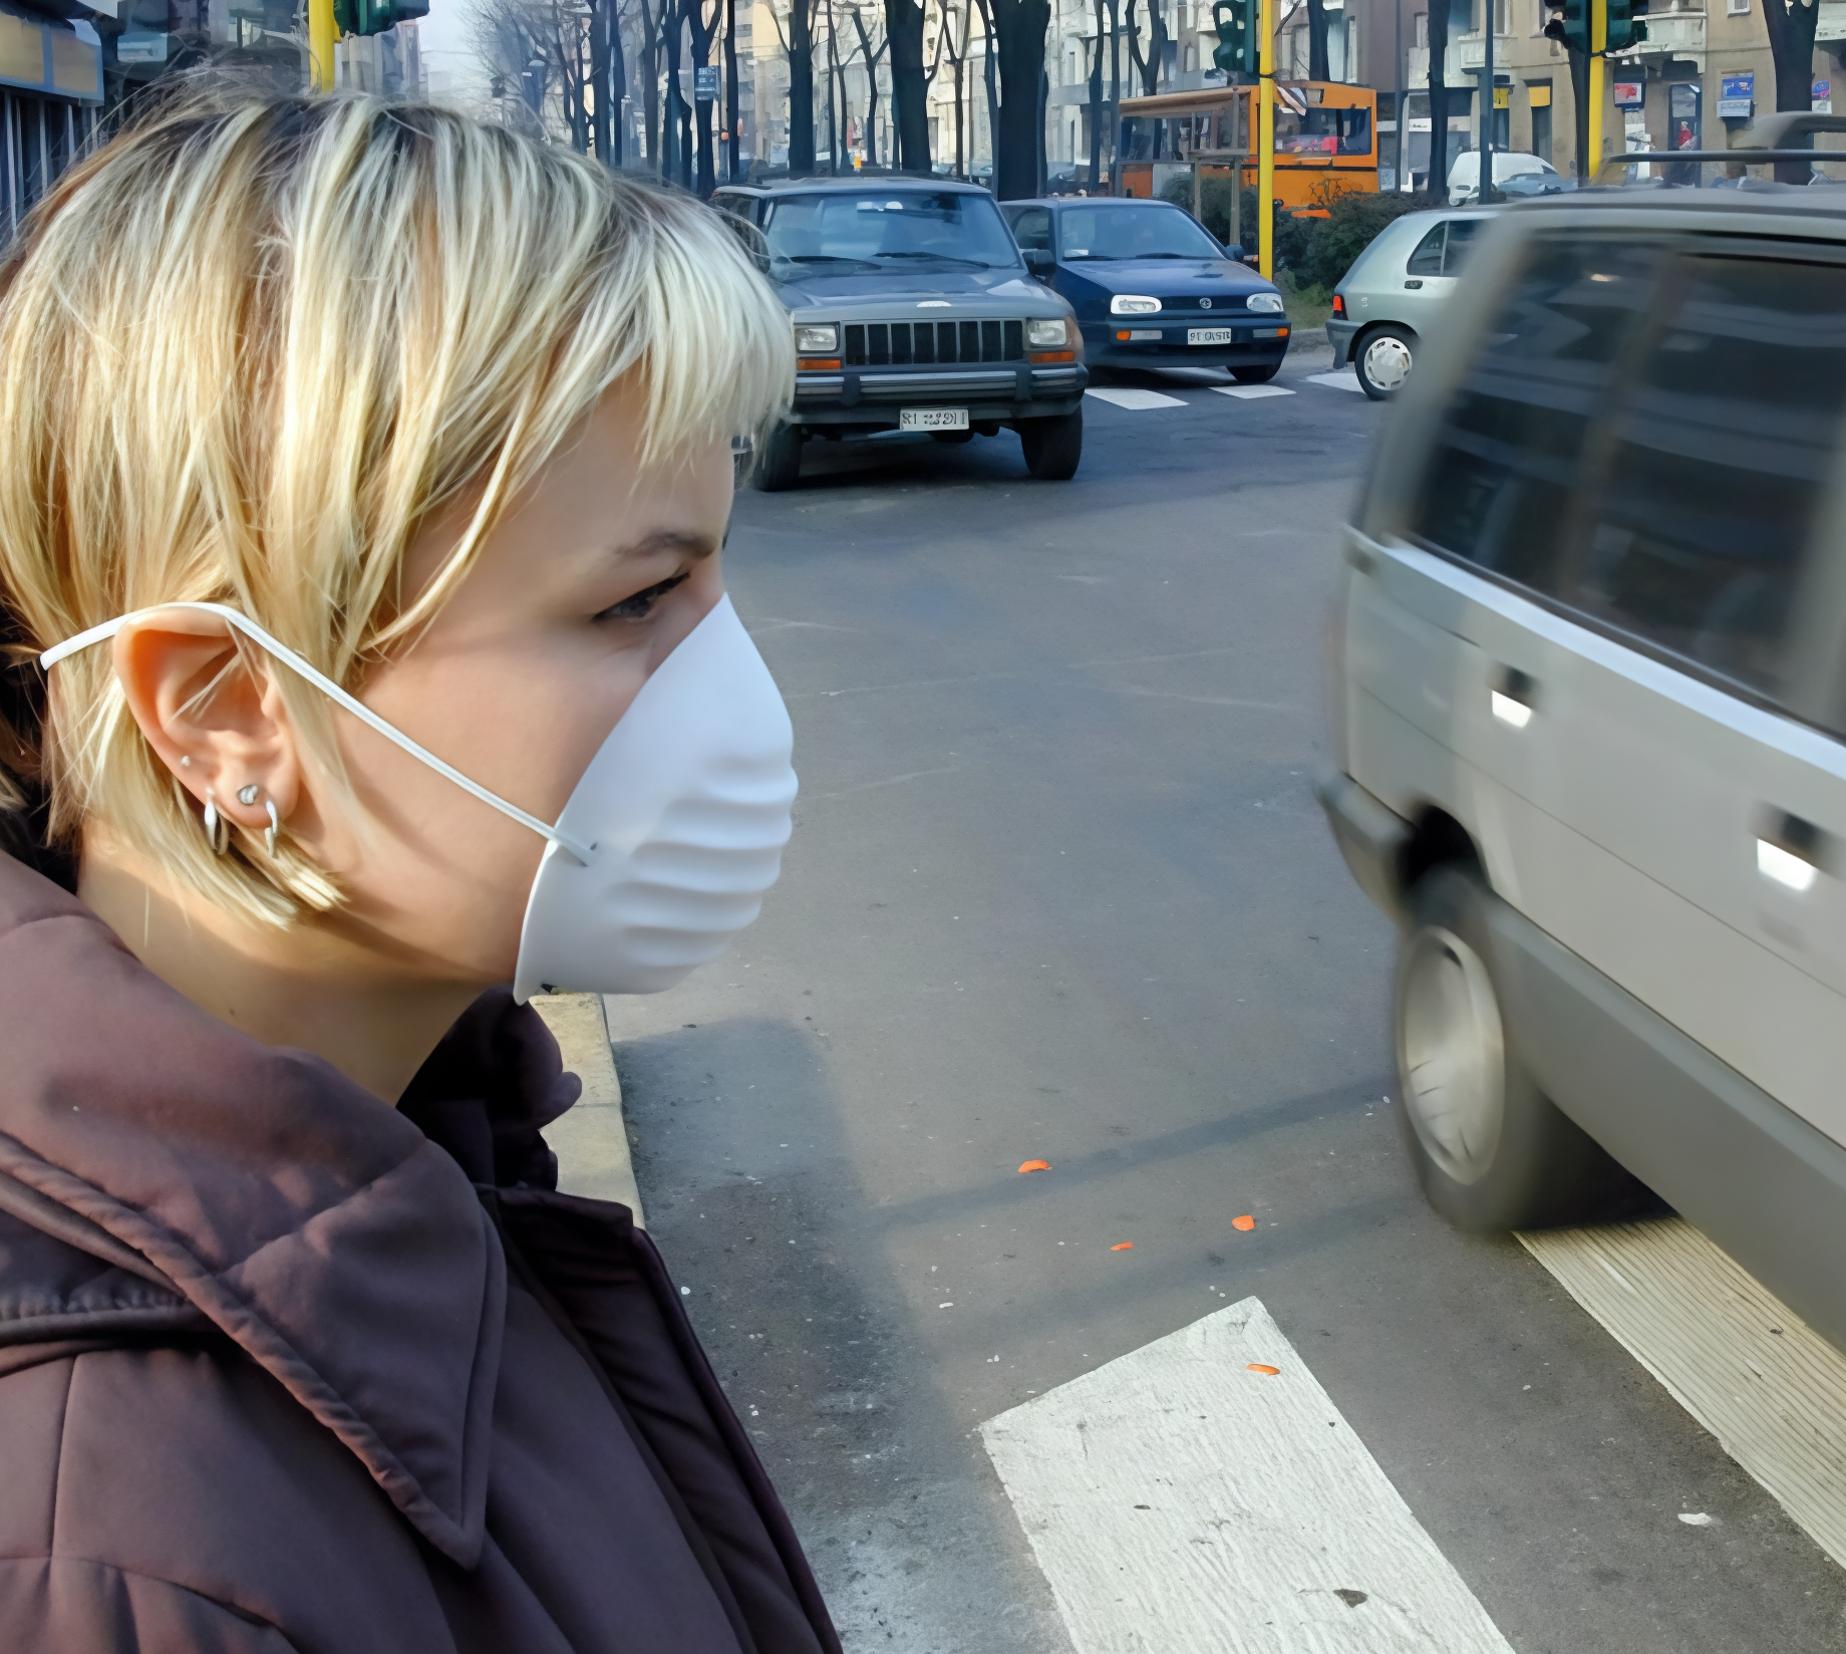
(929, 344)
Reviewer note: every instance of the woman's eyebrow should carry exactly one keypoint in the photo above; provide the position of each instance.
(669, 542)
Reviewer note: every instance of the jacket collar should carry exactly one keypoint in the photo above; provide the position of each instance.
(342, 1248)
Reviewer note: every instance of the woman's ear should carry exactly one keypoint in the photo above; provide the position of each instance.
(213, 716)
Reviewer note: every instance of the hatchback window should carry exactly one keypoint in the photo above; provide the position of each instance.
(1427, 259)
(1507, 457)
(1032, 230)
(1461, 235)
(1722, 447)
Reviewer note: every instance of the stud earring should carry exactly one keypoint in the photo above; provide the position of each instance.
(185, 760)
(217, 829)
(249, 793)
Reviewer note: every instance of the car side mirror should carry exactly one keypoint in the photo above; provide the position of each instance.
(1040, 262)
(1254, 260)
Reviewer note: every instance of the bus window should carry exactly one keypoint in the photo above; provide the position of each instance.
(1324, 132)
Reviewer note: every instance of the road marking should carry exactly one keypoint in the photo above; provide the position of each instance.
(1337, 381)
(1129, 397)
(1252, 393)
(1178, 1500)
(1696, 1320)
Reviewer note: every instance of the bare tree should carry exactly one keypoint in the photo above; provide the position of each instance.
(1019, 27)
(733, 169)
(956, 45)
(909, 82)
(798, 48)
(990, 79)
(1438, 96)
(1319, 62)
(1096, 101)
(700, 27)
(871, 58)
(1148, 65)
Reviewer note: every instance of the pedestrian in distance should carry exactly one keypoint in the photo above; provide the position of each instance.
(364, 472)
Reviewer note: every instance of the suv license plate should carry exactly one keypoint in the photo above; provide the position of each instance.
(933, 419)
(1211, 336)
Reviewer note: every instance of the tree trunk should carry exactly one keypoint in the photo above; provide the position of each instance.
(833, 98)
(700, 28)
(1791, 52)
(650, 91)
(1096, 102)
(801, 87)
(1438, 100)
(1319, 59)
(909, 84)
(1021, 25)
(961, 152)
(871, 81)
(733, 170)
(1580, 111)
(602, 129)
(669, 107)
(1115, 93)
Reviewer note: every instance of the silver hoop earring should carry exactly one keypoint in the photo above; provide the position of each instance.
(275, 826)
(217, 829)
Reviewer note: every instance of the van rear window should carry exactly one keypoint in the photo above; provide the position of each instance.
(1508, 452)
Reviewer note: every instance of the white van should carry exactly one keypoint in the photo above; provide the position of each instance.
(1590, 724)
(1513, 170)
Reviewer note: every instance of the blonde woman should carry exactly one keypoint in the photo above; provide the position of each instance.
(363, 478)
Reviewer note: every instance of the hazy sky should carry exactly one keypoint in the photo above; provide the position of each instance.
(454, 71)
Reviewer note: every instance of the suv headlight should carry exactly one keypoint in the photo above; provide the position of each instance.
(1132, 304)
(1047, 333)
(1266, 304)
(817, 338)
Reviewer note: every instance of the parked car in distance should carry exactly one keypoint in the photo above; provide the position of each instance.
(912, 311)
(1396, 291)
(1152, 287)
(1589, 709)
(1514, 173)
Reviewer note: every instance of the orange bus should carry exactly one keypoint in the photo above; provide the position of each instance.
(1326, 139)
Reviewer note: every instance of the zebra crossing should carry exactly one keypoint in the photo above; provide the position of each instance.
(1142, 399)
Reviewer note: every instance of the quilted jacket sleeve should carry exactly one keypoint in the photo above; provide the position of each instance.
(79, 1607)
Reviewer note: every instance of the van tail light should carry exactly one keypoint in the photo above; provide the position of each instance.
(1339, 306)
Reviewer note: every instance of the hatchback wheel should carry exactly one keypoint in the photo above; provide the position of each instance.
(1490, 1149)
(1384, 361)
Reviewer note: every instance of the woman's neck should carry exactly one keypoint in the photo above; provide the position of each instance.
(309, 988)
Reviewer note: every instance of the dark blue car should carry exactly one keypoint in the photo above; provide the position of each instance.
(1151, 287)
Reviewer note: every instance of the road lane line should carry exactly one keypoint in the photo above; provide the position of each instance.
(1252, 393)
(1127, 396)
(1338, 381)
(1180, 1502)
(1738, 1359)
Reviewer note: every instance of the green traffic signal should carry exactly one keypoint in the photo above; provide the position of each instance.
(1625, 26)
(1234, 22)
(362, 17)
(1569, 24)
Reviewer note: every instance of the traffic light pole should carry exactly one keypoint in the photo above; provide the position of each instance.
(1266, 142)
(322, 35)
(1598, 82)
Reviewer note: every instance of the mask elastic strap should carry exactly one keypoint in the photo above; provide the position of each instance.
(287, 656)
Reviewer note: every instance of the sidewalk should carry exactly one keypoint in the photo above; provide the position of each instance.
(591, 1140)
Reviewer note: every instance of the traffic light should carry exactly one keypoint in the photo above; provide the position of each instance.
(1569, 24)
(1625, 26)
(1236, 27)
(375, 16)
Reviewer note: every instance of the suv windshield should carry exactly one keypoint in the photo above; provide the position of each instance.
(1116, 231)
(886, 227)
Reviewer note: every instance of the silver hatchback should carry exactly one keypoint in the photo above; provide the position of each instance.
(1394, 294)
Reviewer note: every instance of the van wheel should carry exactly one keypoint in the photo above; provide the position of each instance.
(1491, 1151)
(1053, 447)
(1384, 360)
(778, 460)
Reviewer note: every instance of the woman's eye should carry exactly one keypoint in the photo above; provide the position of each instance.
(641, 605)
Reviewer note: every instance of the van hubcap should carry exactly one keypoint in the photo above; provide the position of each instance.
(1451, 1053)
(1387, 362)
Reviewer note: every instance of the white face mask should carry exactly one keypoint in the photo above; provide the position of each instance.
(666, 847)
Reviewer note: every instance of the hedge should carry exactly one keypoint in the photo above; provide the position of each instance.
(1317, 251)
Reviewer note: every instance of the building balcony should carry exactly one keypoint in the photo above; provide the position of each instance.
(1674, 34)
(1831, 24)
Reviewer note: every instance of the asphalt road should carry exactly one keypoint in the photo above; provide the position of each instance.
(1059, 889)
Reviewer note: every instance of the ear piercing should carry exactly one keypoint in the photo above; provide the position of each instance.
(218, 830)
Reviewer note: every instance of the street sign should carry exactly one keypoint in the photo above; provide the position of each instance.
(1630, 94)
(705, 84)
(1737, 96)
(1821, 97)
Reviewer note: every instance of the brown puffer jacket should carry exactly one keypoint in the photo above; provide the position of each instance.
(284, 1368)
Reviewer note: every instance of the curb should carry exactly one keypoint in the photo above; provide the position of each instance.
(591, 1139)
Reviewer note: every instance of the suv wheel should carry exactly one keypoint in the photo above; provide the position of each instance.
(778, 460)
(1053, 447)
(1490, 1149)
(1384, 360)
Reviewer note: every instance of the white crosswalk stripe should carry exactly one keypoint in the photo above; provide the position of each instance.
(1342, 381)
(1202, 1495)
(1128, 396)
(1252, 393)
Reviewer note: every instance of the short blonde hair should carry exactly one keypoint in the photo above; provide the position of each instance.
(249, 347)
